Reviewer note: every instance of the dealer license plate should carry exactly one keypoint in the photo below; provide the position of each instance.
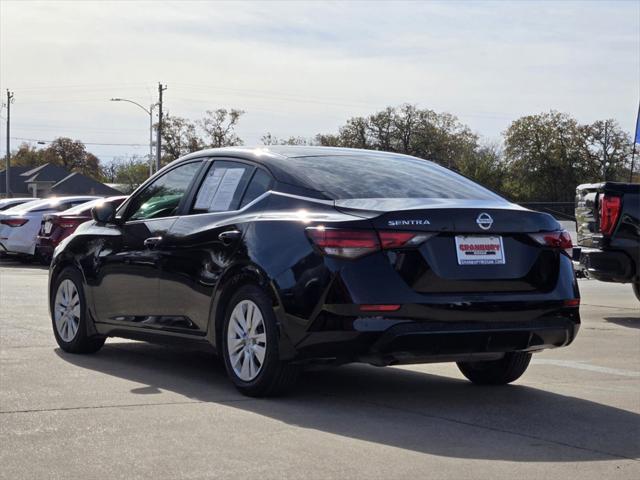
(480, 250)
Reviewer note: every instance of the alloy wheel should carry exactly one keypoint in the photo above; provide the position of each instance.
(67, 310)
(246, 340)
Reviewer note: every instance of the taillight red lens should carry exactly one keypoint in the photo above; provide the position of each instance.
(344, 243)
(356, 243)
(14, 222)
(68, 222)
(560, 240)
(609, 213)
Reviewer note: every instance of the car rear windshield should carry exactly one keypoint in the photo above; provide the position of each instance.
(83, 207)
(385, 176)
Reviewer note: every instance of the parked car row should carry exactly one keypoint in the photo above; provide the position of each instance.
(7, 203)
(32, 228)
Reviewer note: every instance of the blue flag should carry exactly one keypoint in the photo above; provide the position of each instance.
(637, 137)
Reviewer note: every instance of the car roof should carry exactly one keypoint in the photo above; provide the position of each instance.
(277, 158)
(80, 208)
(37, 204)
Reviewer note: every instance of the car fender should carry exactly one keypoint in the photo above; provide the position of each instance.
(235, 276)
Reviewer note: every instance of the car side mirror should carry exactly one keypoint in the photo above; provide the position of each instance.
(104, 213)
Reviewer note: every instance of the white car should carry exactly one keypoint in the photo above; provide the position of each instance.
(19, 226)
(6, 203)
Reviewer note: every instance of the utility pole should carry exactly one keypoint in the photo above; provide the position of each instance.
(636, 140)
(159, 132)
(8, 166)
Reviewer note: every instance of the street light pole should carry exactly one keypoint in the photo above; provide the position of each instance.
(150, 113)
(7, 171)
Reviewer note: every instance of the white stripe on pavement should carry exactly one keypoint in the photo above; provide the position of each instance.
(586, 366)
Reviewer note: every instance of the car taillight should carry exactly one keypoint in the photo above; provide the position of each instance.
(560, 240)
(67, 222)
(380, 308)
(357, 243)
(344, 243)
(14, 222)
(609, 213)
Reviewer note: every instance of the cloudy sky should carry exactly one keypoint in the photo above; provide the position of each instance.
(301, 68)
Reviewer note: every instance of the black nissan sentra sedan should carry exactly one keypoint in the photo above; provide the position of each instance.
(285, 257)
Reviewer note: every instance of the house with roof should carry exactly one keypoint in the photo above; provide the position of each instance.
(50, 180)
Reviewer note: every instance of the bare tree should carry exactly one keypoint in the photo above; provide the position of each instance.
(219, 127)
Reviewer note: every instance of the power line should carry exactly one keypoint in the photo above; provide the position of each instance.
(86, 143)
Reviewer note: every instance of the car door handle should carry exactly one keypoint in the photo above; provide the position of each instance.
(152, 242)
(230, 236)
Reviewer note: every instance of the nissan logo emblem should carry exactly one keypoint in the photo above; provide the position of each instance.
(484, 221)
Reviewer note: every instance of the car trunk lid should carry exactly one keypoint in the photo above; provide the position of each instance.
(476, 247)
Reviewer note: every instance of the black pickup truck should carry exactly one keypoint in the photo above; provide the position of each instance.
(608, 228)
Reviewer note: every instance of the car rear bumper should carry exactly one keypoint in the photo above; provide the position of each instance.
(384, 340)
(608, 265)
(44, 246)
(411, 343)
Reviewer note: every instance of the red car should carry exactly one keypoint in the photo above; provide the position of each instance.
(58, 226)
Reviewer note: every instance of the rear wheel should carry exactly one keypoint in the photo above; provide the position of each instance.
(250, 345)
(496, 372)
(69, 314)
(636, 289)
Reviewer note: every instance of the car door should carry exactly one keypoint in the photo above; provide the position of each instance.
(125, 288)
(201, 245)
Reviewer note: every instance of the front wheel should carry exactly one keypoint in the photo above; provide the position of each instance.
(496, 372)
(636, 289)
(69, 314)
(250, 345)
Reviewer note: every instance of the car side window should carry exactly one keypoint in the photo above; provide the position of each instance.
(259, 184)
(222, 187)
(162, 197)
(66, 206)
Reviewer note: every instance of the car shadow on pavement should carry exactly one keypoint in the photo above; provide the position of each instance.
(631, 322)
(395, 407)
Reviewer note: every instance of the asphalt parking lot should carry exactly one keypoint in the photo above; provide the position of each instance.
(136, 410)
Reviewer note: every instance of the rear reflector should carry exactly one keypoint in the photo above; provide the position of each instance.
(379, 308)
(560, 240)
(69, 222)
(14, 222)
(609, 213)
(390, 240)
(356, 243)
(574, 302)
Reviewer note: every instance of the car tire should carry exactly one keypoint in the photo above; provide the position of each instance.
(636, 289)
(250, 337)
(43, 259)
(496, 372)
(69, 314)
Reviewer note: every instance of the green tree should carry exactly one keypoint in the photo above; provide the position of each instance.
(546, 157)
(179, 137)
(72, 155)
(131, 172)
(27, 155)
(410, 130)
(269, 139)
(609, 149)
(486, 166)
